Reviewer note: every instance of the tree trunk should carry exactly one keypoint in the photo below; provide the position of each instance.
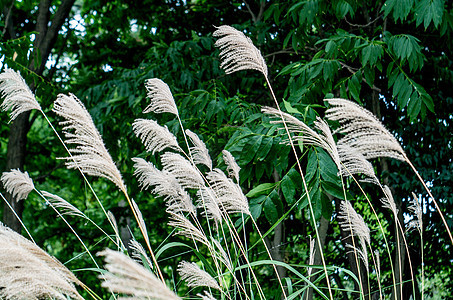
(16, 153)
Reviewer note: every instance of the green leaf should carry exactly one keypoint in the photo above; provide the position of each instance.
(406, 48)
(327, 206)
(265, 148)
(428, 11)
(270, 207)
(331, 48)
(369, 75)
(289, 108)
(333, 189)
(400, 8)
(354, 85)
(255, 209)
(264, 188)
(288, 189)
(371, 54)
(342, 9)
(414, 106)
(251, 147)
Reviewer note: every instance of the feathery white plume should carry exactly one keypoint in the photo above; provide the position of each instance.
(208, 204)
(139, 253)
(27, 272)
(140, 220)
(232, 167)
(90, 154)
(416, 209)
(311, 257)
(161, 98)
(195, 277)
(115, 226)
(65, 207)
(378, 263)
(363, 130)
(206, 296)
(305, 134)
(17, 183)
(237, 51)
(127, 277)
(164, 184)
(353, 162)
(388, 201)
(187, 229)
(222, 255)
(18, 96)
(351, 221)
(200, 153)
(228, 194)
(187, 176)
(155, 137)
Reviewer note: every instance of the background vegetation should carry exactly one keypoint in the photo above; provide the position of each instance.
(392, 57)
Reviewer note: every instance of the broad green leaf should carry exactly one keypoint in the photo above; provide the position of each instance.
(354, 85)
(288, 189)
(289, 108)
(333, 189)
(414, 106)
(328, 169)
(251, 147)
(270, 207)
(369, 75)
(327, 206)
(264, 188)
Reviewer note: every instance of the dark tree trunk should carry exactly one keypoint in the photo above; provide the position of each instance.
(16, 153)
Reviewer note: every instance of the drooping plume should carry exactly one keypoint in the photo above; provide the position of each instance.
(65, 208)
(416, 209)
(352, 222)
(200, 153)
(187, 229)
(90, 154)
(206, 296)
(27, 272)
(196, 277)
(139, 253)
(164, 184)
(161, 98)
(353, 163)
(363, 131)
(237, 51)
(155, 137)
(208, 204)
(388, 201)
(184, 172)
(17, 183)
(132, 280)
(232, 167)
(18, 96)
(228, 194)
(302, 132)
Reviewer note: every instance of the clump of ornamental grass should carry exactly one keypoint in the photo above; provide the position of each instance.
(202, 206)
(28, 272)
